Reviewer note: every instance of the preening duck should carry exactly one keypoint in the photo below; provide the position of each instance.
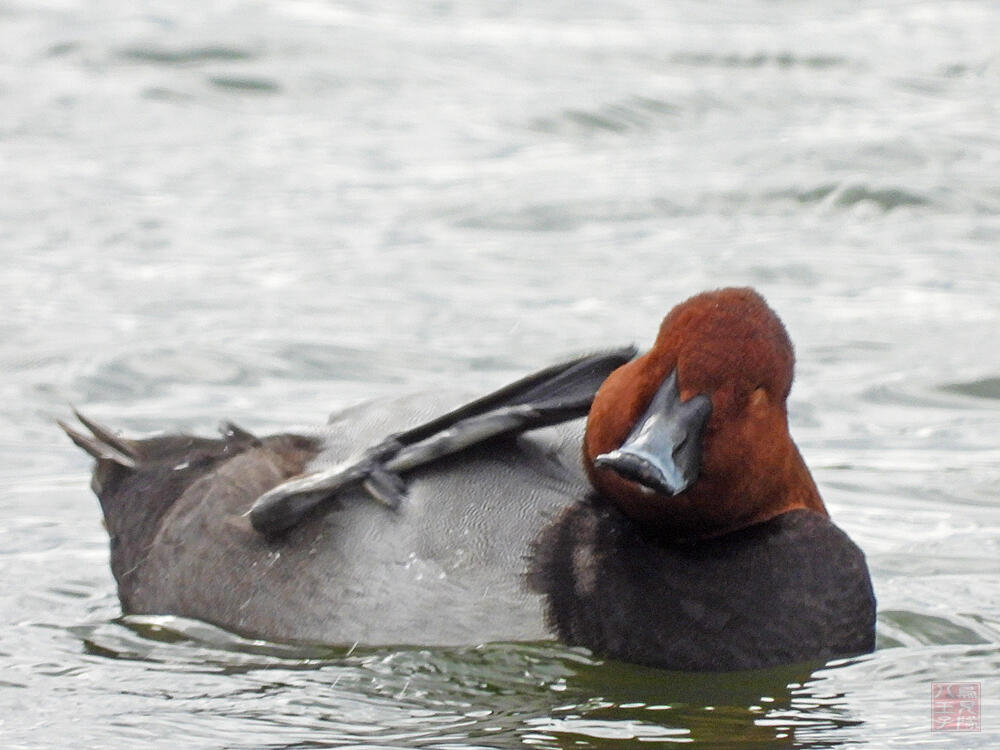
(687, 534)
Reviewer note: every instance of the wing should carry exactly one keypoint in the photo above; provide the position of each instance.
(556, 394)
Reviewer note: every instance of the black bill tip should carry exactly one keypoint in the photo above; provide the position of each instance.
(640, 469)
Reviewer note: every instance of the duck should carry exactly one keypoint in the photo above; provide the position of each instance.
(653, 509)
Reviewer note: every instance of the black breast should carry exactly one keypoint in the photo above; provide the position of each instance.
(791, 590)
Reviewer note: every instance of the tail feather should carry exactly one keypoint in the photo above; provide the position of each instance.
(109, 439)
(102, 444)
(139, 480)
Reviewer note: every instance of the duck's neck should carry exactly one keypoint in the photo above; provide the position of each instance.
(798, 488)
(771, 487)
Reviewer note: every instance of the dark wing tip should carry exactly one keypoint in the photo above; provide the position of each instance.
(233, 433)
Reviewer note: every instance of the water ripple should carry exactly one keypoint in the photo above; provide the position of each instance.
(987, 388)
(246, 83)
(761, 59)
(849, 194)
(185, 55)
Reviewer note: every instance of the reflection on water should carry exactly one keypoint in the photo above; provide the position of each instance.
(265, 212)
(501, 695)
(540, 694)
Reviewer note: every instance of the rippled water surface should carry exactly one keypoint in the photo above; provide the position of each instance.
(266, 210)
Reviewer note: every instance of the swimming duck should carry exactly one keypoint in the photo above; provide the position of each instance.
(688, 534)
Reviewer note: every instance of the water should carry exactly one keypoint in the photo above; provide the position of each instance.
(263, 211)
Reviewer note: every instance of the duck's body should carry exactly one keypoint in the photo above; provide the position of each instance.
(446, 568)
(792, 589)
(507, 539)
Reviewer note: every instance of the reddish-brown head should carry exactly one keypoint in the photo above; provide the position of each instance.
(726, 350)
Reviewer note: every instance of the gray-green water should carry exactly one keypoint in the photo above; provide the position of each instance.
(266, 210)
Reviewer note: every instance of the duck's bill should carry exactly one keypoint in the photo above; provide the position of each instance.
(663, 450)
(556, 394)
